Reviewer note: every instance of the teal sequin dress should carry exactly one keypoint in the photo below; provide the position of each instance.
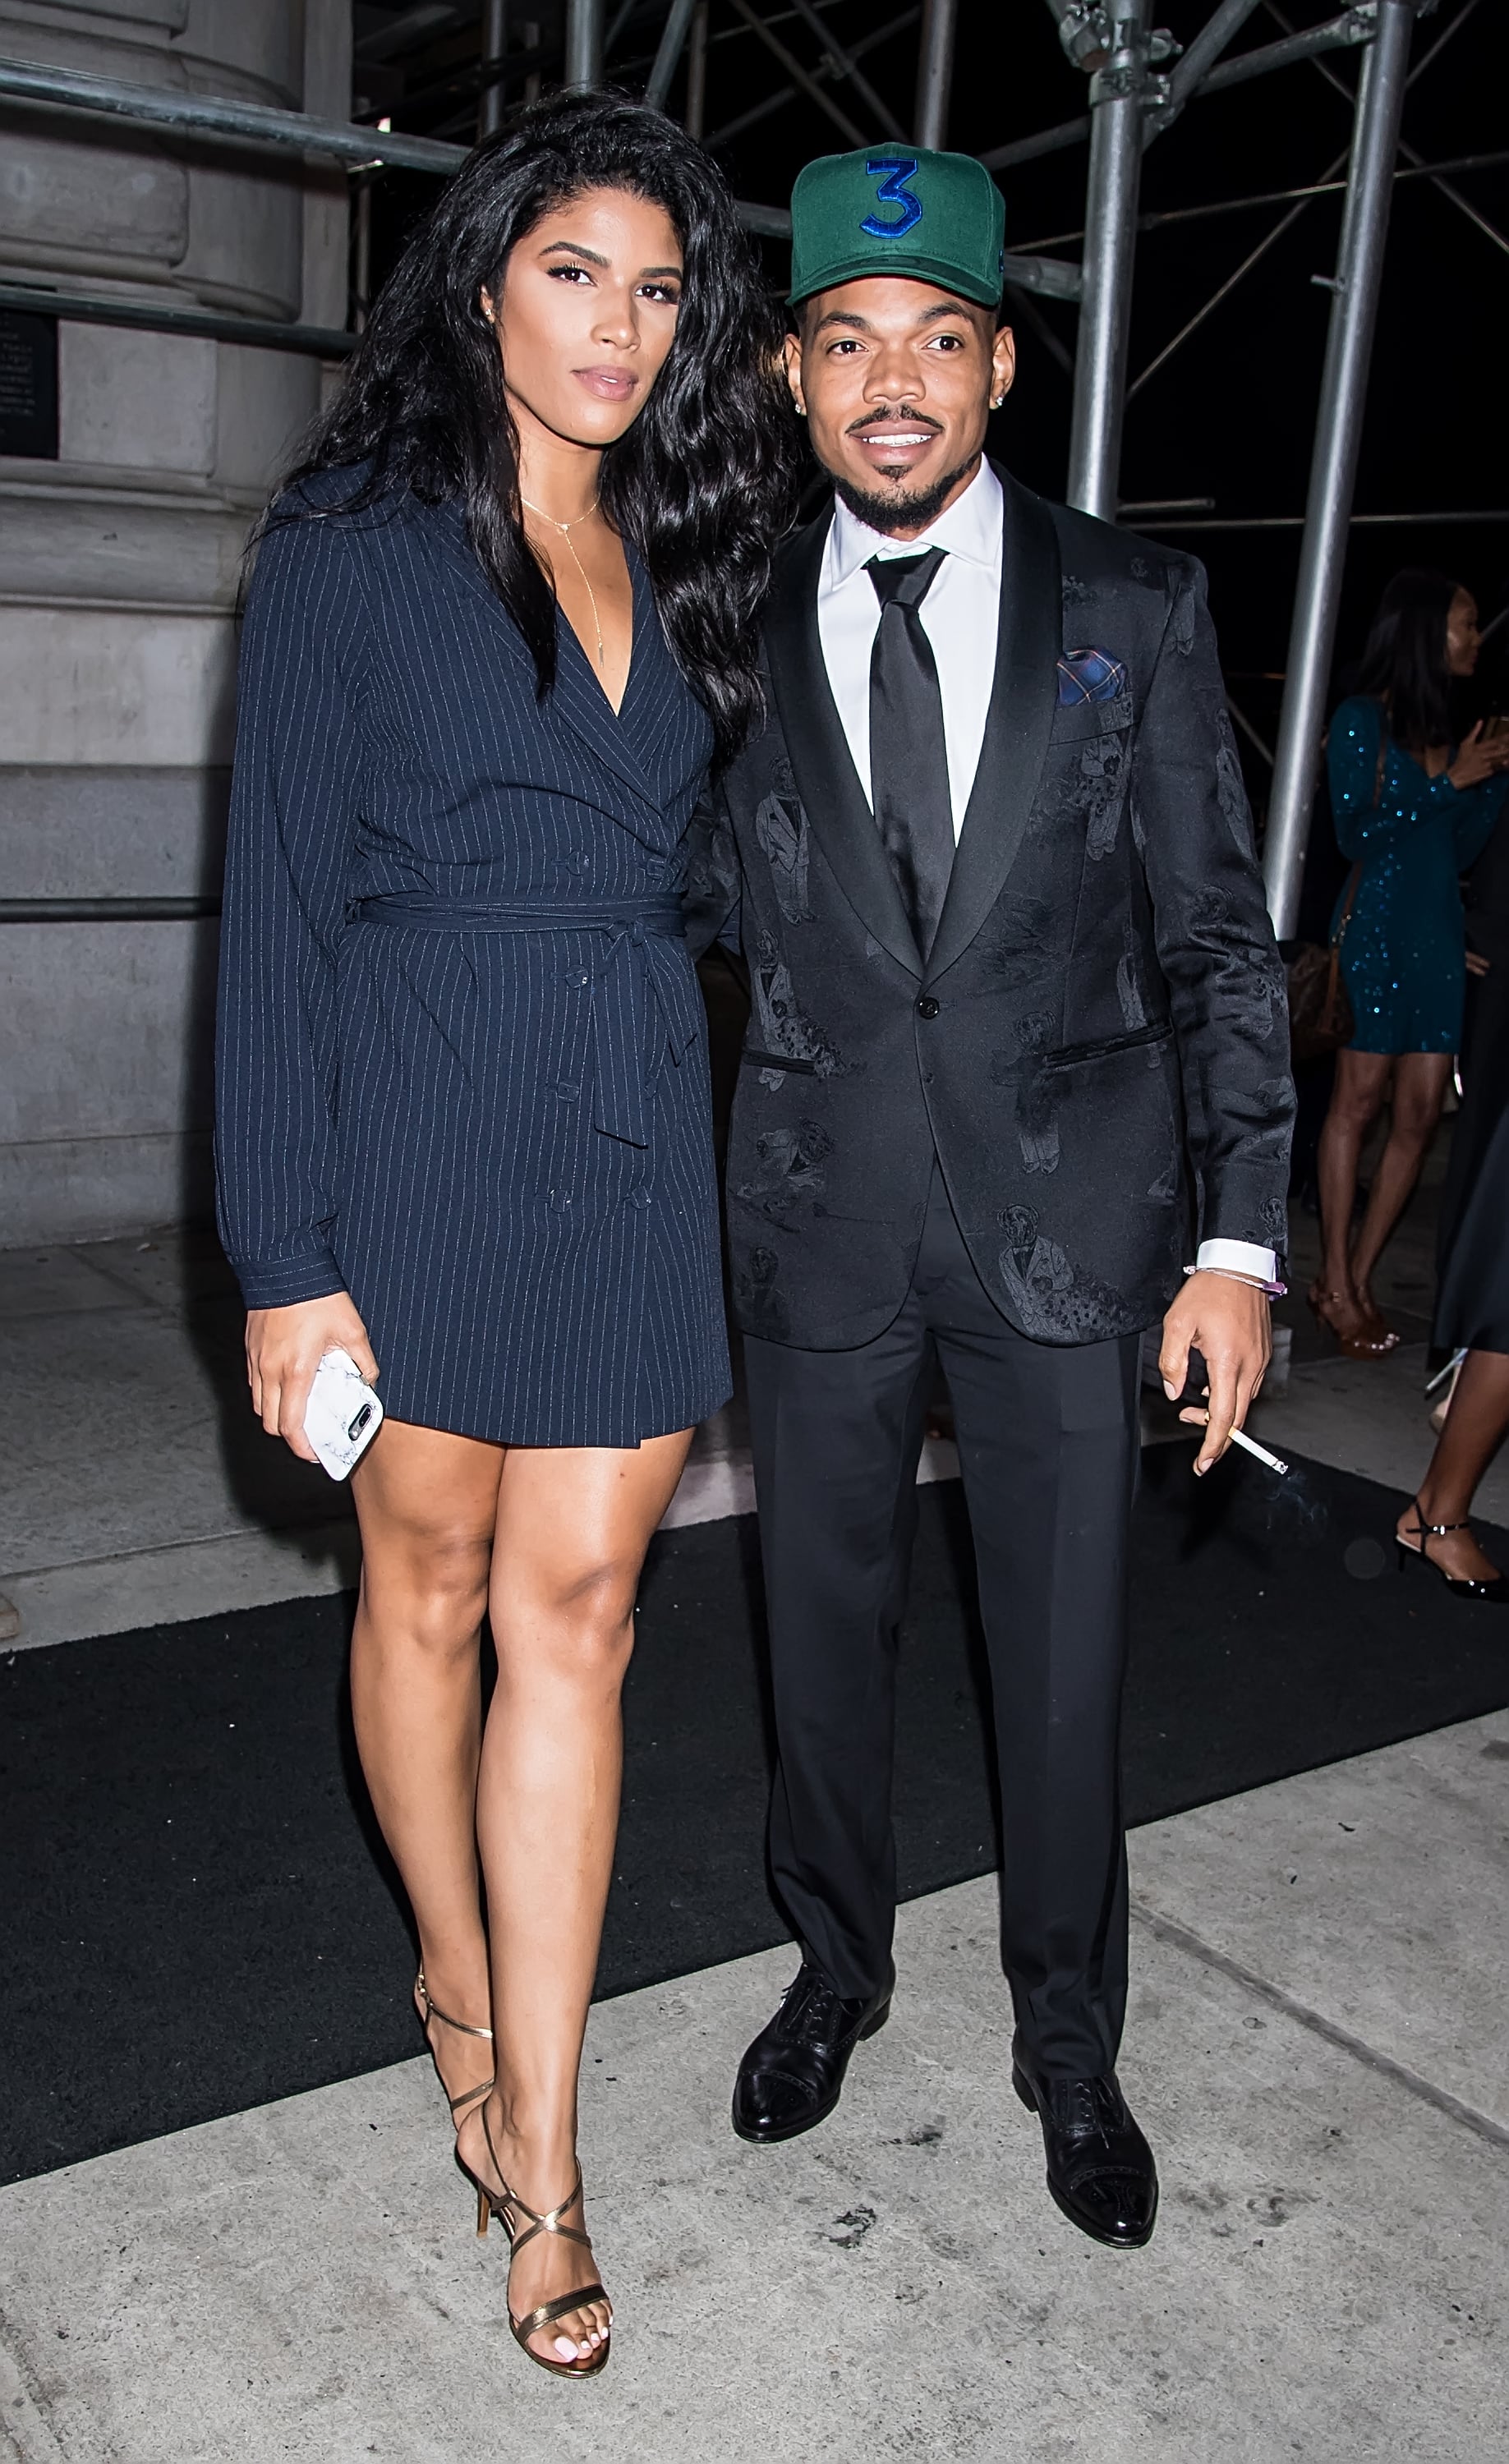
(1413, 835)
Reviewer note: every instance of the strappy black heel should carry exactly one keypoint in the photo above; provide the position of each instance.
(508, 2207)
(1467, 1587)
(427, 2011)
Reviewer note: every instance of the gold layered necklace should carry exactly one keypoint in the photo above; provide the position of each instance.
(565, 529)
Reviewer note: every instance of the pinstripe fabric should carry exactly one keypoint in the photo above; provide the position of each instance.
(411, 1112)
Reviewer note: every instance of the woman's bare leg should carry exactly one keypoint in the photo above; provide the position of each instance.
(1356, 1098)
(573, 1524)
(427, 1503)
(1475, 1426)
(1420, 1084)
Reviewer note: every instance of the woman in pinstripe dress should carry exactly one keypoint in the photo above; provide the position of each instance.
(502, 619)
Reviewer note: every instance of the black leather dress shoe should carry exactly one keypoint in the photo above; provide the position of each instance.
(792, 2074)
(1101, 2168)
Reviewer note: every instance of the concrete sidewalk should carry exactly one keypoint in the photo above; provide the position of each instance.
(1314, 2047)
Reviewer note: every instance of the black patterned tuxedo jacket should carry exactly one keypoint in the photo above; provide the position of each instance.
(1095, 1047)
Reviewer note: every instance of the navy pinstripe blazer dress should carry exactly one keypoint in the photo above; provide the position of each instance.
(462, 1068)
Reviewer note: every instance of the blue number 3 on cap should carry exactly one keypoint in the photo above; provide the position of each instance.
(892, 191)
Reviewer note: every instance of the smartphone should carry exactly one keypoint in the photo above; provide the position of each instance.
(1496, 723)
(343, 1414)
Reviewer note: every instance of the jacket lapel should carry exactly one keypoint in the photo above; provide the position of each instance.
(578, 702)
(827, 780)
(1022, 703)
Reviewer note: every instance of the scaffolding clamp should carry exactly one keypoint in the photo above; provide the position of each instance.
(1086, 32)
(1120, 84)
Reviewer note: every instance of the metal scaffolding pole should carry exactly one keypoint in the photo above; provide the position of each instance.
(808, 84)
(494, 43)
(1340, 34)
(697, 73)
(217, 116)
(584, 42)
(1333, 468)
(208, 324)
(667, 58)
(1118, 93)
(844, 63)
(223, 119)
(935, 70)
(1203, 52)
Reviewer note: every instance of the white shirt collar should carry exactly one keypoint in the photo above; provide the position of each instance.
(970, 529)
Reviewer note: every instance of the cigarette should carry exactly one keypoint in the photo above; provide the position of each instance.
(1251, 1447)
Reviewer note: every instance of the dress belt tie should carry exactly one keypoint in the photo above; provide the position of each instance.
(638, 978)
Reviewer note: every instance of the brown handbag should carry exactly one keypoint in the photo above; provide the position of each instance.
(1321, 1017)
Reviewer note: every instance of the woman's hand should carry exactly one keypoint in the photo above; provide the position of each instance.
(1478, 758)
(284, 1347)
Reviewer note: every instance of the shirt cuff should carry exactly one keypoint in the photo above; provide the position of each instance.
(1238, 1258)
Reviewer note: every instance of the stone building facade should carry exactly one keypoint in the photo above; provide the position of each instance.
(120, 567)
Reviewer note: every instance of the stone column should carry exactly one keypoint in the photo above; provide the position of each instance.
(120, 567)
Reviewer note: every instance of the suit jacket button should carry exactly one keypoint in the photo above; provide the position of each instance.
(928, 1008)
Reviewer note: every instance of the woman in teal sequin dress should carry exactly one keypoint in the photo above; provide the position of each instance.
(1412, 810)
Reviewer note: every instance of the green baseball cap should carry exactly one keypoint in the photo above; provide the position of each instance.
(937, 217)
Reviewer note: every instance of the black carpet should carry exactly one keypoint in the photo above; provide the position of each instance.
(196, 1914)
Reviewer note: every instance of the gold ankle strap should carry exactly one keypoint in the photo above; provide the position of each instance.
(463, 2028)
(551, 2221)
(433, 2011)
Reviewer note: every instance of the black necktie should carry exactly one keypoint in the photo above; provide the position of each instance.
(908, 753)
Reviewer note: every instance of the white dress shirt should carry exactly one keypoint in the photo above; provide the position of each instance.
(961, 616)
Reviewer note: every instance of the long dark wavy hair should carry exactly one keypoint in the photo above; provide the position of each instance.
(1404, 664)
(701, 485)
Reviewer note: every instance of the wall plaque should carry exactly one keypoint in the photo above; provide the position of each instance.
(28, 385)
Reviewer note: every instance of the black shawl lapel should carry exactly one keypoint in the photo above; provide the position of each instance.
(826, 778)
(1022, 703)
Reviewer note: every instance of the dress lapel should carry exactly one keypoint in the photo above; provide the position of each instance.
(1022, 703)
(578, 701)
(827, 780)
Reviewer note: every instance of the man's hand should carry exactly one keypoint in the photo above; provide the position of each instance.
(1228, 1322)
(284, 1347)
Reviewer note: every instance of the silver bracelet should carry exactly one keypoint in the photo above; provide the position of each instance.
(1234, 1275)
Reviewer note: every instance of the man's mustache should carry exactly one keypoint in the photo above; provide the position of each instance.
(894, 419)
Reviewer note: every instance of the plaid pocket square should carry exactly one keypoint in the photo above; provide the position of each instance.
(1088, 675)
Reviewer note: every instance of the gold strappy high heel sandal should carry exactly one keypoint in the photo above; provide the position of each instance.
(429, 2011)
(507, 2207)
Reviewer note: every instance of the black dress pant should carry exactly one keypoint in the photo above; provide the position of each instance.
(1048, 1444)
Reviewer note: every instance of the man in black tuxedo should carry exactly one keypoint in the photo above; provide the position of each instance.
(1018, 1055)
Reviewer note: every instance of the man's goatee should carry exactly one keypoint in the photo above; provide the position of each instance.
(892, 511)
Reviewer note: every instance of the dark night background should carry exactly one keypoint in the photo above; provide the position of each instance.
(1230, 415)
